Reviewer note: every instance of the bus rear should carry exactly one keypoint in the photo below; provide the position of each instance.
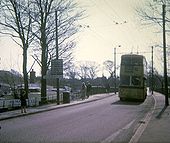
(132, 77)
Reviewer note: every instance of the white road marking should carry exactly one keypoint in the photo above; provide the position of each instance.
(135, 138)
(112, 137)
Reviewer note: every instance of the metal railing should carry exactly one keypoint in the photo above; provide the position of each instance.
(34, 101)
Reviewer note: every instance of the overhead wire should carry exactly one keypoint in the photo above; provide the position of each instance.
(122, 22)
(117, 15)
(110, 17)
(112, 9)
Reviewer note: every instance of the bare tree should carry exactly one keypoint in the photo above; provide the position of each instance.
(88, 69)
(108, 65)
(71, 71)
(16, 22)
(151, 14)
(43, 12)
(93, 70)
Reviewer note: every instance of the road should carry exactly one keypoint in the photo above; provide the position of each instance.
(103, 121)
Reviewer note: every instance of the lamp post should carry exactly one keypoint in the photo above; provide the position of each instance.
(115, 67)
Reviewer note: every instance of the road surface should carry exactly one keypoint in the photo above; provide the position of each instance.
(102, 121)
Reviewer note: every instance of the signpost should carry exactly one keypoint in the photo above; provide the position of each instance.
(57, 72)
(57, 64)
(57, 67)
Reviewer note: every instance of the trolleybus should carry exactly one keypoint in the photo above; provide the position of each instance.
(133, 74)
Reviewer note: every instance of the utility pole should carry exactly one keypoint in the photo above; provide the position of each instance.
(57, 80)
(164, 54)
(152, 70)
(115, 67)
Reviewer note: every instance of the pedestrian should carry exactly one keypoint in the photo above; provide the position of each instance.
(107, 88)
(23, 100)
(88, 89)
(83, 91)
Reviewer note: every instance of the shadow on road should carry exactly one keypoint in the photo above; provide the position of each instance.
(126, 103)
(161, 112)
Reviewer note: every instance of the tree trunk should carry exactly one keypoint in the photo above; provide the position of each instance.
(43, 69)
(25, 74)
(43, 83)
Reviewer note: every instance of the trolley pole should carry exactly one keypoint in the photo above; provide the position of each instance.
(164, 54)
(57, 80)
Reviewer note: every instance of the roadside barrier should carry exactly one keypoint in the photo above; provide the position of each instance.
(33, 101)
(14, 103)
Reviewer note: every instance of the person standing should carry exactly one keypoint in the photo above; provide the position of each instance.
(83, 91)
(88, 89)
(23, 100)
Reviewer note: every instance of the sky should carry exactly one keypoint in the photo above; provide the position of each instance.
(97, 42)
(99, 35)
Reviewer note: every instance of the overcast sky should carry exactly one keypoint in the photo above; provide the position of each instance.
(112, 23)
(97, 41)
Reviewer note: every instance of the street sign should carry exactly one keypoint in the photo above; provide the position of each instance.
(57, 67)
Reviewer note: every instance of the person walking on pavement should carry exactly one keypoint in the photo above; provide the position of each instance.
(23, 100)
(88, 89)
(83, 91)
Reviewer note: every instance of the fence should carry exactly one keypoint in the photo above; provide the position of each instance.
(14, 103)
(32, 101)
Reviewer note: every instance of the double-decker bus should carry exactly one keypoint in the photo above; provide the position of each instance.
(133, 74)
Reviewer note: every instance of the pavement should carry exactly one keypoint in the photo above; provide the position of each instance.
(155, 128)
